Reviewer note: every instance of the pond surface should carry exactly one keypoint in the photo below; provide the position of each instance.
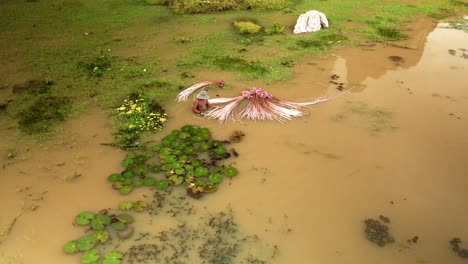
(395, 145)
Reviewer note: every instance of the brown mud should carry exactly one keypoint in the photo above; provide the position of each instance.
(395, 145)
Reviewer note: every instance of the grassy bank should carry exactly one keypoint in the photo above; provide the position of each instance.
(102, 52)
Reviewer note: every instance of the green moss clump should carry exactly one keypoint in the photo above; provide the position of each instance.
(247, 27)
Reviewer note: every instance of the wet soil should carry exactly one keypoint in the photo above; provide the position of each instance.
(395, 145)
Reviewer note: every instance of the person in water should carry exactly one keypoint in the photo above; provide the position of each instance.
(201, 103)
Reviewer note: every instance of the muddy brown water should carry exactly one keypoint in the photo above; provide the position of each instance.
(395, 145)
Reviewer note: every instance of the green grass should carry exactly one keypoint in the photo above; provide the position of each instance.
(62, 41)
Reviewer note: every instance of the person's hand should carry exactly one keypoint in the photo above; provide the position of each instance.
(201, 114)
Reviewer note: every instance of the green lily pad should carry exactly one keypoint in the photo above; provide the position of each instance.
(218, 170)
(114, 177)
(197, 138)
(184, 158)
(137, 183)
(86, 242)
(125, 205)
(156, 148)
(187, 128)
(176, 144)
(113, 257)
(117, 185)
(167, 167)
(210, 187)
(140, 159)
(128, 162)
(139, 206)
(216, 143)
(189, 151)
(90, 256)
(149, 181)
(201, 172)
(170, 159)
(167, 141)
(70, 247)
(84, 218)
(204, 146)
(230, 171)
(127, 181)
(119, 226)
(220, 150)
(196, 163)
(176, 180)
(102, 236)
(215, 178)
(194, 130)
(166, 151)
(156, 169)
(126, 218)
(180, 171)
(177, 165)
(177, 152)
(141, 170)
(161, 185)
(128, 173)
(184, 135)
(100, 221)
(125, 189)
(188, 167)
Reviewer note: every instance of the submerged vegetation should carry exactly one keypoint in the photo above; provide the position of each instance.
(462, 252)
(376, 120)
(196, 237)
(378, 232)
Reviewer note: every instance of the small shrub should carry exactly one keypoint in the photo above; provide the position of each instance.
(247, 27)
(276, 29)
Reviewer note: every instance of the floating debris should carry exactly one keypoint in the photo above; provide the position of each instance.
(413, 240)
(377, 232)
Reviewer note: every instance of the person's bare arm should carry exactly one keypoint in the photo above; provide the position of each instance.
(195, 106)
(212, 105)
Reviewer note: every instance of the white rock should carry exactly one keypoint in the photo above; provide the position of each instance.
(310, 21)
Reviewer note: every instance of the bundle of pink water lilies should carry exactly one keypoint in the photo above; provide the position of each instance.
(261, 105)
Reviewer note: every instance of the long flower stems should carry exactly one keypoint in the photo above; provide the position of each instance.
(183, 96)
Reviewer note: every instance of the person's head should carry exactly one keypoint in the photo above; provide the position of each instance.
(203, 95)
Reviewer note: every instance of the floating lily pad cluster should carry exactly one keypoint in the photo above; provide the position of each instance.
(87, 243)
(462, 252)
(138, 206)
(377, 232)
(187, 157)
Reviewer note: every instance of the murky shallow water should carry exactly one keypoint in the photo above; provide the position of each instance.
(396, 145)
